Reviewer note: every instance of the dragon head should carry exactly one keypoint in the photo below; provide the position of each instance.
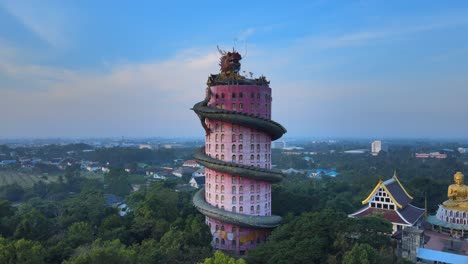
(230, 62)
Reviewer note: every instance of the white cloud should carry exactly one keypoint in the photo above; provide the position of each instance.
(154, 98)
(246, 33)
(132, 99)
(367, 36)
(48, 22)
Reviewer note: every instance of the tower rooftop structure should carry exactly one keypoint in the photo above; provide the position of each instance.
(236, 116)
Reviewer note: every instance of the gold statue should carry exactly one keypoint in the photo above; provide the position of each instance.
(457, 194)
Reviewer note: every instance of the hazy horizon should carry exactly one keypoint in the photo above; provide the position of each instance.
(363, 69)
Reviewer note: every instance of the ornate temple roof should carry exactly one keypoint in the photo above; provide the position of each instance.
(394, 189)
(407, 216)
(404, 213)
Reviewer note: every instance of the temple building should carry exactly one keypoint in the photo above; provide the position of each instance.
(452, 215)
(236, 116)
(390, 200)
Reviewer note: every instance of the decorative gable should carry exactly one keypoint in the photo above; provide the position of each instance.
(388, 194)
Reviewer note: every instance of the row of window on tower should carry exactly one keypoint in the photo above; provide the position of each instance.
(234, 137)
(240, 96)
(241, 199)
(238, 180)
(253, 108)
(241, 159)
(239, 148)
(253, 209)
(219, 127)
(241, 188)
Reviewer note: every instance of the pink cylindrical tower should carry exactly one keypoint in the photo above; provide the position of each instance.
(236, 115)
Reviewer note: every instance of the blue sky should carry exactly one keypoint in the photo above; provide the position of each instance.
(337, 68)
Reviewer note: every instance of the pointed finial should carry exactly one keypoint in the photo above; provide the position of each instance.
(394, 173)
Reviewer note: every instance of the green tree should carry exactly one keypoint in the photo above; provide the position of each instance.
(148, 252)
(370, 230)
(21, 251)
(220, 258)
(361, 254)
(323, 236)
(79, 233)
(104, 252)
(5, 209)
(88, 207)
(159, 203)
(307, 239)
(34, 226)
(13, 192)
(117, 182)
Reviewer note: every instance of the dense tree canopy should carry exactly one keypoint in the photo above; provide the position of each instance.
(322, 237)
(67, 221)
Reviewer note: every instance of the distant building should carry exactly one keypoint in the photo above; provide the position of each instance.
(94, 168)
(197, 182)
(356, 151)
(293, 148)
(173, 146)
(391, 201)
(290, 171)
(292, 153)
(278, 144)
(178, 172)
(376, 147)
(434, 155)
(319, 173)
(7, 162)
(462, 150)
(199, 173)
(145, 146)
(191, 163)
(118, 202)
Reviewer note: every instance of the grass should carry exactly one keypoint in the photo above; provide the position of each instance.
(24, 179)
(137, 179)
